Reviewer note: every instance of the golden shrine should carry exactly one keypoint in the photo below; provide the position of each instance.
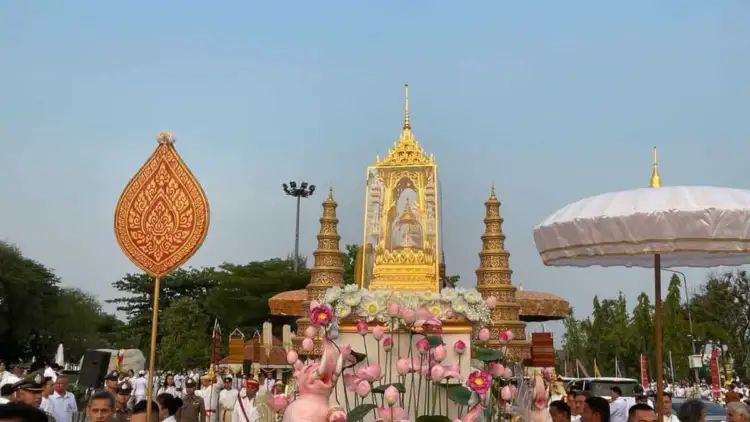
(401, 237)
(401, 248)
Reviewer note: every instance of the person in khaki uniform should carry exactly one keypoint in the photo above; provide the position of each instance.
(193, 408)
(122, 411)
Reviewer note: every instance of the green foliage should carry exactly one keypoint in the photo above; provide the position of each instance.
(359, 412)
(458, 393)
(487, 355)
(433, 418)
(185, 340)
(720, 311)
(350, 263)
(36, 314)
(381, 388)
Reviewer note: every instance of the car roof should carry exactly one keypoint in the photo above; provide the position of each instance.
(608, 379)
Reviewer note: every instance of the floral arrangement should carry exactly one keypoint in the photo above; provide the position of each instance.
(374, 305)
(415, 382)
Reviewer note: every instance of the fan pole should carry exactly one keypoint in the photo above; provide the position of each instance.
(657, 328)
(152, 352)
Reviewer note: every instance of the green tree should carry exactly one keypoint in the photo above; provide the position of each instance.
(676, 331)
(185, 341)
(350, 263)
(575, 343)
(641, 336)
(139, 289)
(240, 299)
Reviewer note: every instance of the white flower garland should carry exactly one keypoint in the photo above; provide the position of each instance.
(373, 305)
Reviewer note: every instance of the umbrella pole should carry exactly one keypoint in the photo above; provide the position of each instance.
(657, 328)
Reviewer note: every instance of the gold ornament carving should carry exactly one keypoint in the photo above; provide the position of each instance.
(162, 216)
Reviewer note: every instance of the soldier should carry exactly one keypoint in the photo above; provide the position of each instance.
(110, 383)
(29, 391)
(193, 408)
(122, 401)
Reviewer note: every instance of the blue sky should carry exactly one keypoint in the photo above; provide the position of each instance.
(550, 101)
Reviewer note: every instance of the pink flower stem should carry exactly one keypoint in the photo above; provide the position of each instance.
(367, 355)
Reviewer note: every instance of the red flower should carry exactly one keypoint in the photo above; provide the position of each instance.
(479, 382)
(321, 315)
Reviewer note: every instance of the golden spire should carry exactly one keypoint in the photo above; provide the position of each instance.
(407, 120)
(493, 197)
(655, 178)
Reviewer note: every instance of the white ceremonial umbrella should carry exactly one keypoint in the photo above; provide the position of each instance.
(59, 356)
(685, 226)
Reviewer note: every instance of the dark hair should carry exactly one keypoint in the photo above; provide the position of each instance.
(22, 412)
(616, 389)
(691, 411)
(103, 395)
(667, 394)
(586, 394)
(601, 407)
(170, 402)
(561, 406)
(140, 407)
(636, 407)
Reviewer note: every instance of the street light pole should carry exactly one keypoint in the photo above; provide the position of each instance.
(303, 191)
(690, 316)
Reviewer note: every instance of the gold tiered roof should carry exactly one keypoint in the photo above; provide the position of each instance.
(493, 279)
(406, 150)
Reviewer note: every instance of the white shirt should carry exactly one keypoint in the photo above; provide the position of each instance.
(46, 405)
(210, 396)
(246, 411)
(227, 399)
(618, 410)
(671, 418)
(140, 385)
(170, 390)
(170, 419)
(63, 407)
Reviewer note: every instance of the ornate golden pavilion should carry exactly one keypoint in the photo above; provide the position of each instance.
(401, 246)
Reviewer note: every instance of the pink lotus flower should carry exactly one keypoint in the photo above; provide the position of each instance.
(423, 345)
(427, 321)
(307, 344)
(311, 331)
(369, 373)
(362, 327)
(491, 302)
(351, 381)
(459, 347)
(292, 357)
(513, 391)
(393, 309)
(508, 373)
(451, 371)
(346, 354)
(496, 369)
(408, 315)
(378, 332)
(484, 334)
(479, 382)
(391, 395)
(506, 393)
(437, 373)
(321, 315)
(439, 353)
(391, 414)
(387, 344)
(363, 388)
(403, 366)
(506, 336)
(278, 402)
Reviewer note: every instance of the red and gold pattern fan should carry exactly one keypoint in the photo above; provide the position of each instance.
(161, 220)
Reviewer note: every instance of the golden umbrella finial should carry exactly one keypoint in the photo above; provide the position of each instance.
(161, 220)
(655, 178)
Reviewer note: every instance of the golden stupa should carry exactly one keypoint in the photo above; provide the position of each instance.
(401, 245)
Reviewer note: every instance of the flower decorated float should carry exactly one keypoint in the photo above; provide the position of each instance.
(407, 346)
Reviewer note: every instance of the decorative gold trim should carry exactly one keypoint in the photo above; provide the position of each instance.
(449, 327)
(639, 242)
(575, 257)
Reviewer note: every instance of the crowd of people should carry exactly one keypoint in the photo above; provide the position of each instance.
(184, 397)
(585, 407)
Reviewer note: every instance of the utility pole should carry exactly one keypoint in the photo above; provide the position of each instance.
(303, 191)
(689, 313)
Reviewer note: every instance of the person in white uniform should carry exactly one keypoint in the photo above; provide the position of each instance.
(245, 409)
(140, 385)
(209, 392)
(227, 400)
